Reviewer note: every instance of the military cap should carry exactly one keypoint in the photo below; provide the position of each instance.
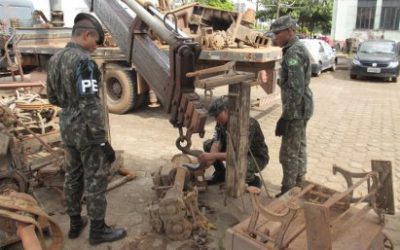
(218, 105)
(283, 23)
(94, 21)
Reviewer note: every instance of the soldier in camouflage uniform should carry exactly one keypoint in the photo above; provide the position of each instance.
(73, 83)
(216, 147)
(297, 103)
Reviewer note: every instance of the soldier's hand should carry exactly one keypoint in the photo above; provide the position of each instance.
(281, 127)
(205, 159)
(108, 151)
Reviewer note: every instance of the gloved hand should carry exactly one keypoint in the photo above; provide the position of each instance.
(108, 151)
(281, 127)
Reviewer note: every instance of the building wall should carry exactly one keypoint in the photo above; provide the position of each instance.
(344, 22)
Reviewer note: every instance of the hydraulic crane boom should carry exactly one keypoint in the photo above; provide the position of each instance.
(165, 74)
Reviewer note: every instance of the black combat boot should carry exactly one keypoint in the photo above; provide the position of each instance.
(77, 224)
(300, 181)
(219, 174)
(255, 182)
(284, 189)
(100, 232)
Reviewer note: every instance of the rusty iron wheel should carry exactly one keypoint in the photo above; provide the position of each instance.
(387, 243)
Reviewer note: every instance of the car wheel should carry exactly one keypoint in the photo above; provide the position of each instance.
(333, 68)
(352, 76)
(317, 73)
(394, 79)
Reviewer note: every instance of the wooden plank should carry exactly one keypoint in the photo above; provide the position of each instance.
(237, 146)
(317, 226)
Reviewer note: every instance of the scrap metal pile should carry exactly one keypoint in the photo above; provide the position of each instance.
(30, 156)
(218, 29)
(30, 142)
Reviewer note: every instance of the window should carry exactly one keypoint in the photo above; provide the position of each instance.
(20, 15)
(390, 15)
(366, 14)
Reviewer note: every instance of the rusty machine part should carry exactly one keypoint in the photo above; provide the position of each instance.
(18, 212)
(317, 217)
(127, 177)
(177, 213)
(218, 40)
(249, 18)
(236, 27)
(165, 74)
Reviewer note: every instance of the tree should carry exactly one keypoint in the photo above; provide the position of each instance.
(315, 15)
(220, 4)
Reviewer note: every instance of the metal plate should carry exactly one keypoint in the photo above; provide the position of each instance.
(373, 70)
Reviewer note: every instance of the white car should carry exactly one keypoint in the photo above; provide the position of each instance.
(322, 56)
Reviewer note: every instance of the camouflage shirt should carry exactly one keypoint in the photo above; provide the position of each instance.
(256, 140)
(297, 98)
(73, 83)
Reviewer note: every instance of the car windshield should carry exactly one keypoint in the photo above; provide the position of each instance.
(377, 47)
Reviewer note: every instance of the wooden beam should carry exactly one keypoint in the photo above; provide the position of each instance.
(237, 146)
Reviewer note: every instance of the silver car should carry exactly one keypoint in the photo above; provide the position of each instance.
(322, 56)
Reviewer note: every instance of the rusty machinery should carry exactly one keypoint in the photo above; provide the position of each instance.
(218, 29)
(177, 213)
(31, 146)
(318, 217)
(165, 73)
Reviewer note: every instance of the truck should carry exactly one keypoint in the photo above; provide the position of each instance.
(127, 89)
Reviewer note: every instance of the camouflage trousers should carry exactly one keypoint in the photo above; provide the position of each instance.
(293, 154)
(86, 171)
(253, 164)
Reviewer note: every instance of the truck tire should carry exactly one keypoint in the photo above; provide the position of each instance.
(120, 90)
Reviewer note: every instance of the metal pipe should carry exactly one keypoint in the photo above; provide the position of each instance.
(55, 5)
(57, 15)
(168, 23)
(154, 23)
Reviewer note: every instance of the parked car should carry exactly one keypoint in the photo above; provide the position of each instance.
(377, 58)
(322, 56)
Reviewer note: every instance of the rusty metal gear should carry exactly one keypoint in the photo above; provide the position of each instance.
(178, 229)
(219, 40)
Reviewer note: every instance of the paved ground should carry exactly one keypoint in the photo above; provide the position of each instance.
(354, 122)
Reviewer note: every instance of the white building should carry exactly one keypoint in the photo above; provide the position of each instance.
(366, 19)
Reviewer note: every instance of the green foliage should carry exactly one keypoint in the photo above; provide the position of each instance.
(220, 4)
(315, 15)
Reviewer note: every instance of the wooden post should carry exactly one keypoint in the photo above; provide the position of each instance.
(238, 133)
